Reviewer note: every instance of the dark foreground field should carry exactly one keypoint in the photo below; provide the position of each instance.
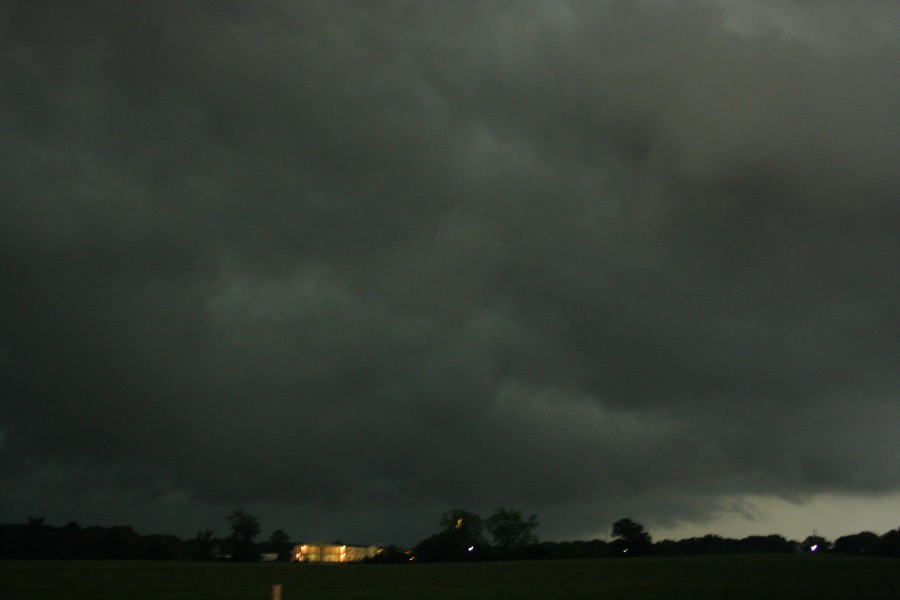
(731, 577)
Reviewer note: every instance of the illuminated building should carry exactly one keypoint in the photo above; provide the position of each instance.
(333, 553)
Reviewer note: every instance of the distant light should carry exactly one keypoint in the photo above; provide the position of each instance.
(814, 548)
(625, 550)
(459, 523)
(471, 548)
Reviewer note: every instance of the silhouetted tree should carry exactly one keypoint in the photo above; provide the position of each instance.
(708, 544)
(630, 538)
(202, 545)
(714, 544)
(468, 525)
(163, 547)
(511, 533)
(460, 538)
(815, 543)
(864, 542)
(70, 540)
(769, 543)
(668, 548)
(121, 542)
(91, 542)
(889, 544)
(280, 543)
(37, 541)
(244, 528)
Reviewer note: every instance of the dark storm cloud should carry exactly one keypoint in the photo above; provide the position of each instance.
(353, 261)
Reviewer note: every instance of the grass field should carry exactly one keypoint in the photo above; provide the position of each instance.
(721, 577)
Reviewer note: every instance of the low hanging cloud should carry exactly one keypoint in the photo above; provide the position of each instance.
(349, 265)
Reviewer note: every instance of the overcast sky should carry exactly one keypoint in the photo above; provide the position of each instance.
(348, 265)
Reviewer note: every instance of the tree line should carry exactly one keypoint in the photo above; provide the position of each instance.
(35, 539)
(463, 536)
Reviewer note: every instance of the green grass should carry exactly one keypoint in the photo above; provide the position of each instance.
(722, 577)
